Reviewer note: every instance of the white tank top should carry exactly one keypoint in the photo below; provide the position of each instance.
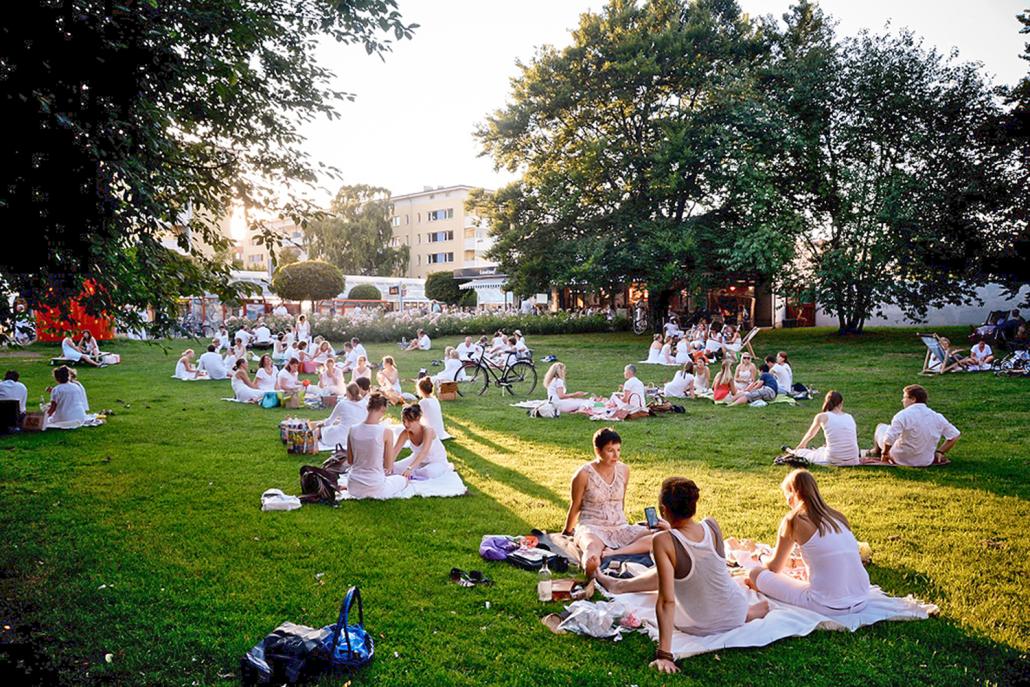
(836, 576)
(841, 439)
(707, 599)
(437, 453)
(366, 443)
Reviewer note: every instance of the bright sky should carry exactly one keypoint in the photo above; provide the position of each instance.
(413, 119)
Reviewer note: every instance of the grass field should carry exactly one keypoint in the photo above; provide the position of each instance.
(144, 538)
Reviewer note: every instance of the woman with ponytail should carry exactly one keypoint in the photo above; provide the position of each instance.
(837, 582)
(839, 431)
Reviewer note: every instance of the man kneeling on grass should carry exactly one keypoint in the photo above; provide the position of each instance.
(913, 435)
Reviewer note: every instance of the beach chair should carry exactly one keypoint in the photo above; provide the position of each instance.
(939, 359)
(746, 342)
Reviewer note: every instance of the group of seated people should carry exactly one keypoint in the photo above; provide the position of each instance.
(702, 342)
(743, 383)
(696, 592)
(69, 404)
(980, 358)
(494, 351)
(86, 350)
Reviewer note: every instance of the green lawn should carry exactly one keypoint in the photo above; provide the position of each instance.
(161, 505)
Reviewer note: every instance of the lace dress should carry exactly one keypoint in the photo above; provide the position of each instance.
(601, 513)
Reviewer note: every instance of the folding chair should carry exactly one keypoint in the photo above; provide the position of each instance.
(746, 342)
(939, 359)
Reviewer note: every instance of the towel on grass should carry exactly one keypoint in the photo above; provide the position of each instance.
(528, 405)
(205, 378)
(782, 621)
(655, 362)
(448, 484)
(90, 421)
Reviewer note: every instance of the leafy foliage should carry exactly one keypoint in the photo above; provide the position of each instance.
(132, 122)
(366, 292)
(308, 280)
(443, 287)
(356, 235)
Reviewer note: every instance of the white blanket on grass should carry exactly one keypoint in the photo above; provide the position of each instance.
(782, 621)
(448, 484)
(205, 378)
(658, 362)
(90, 421)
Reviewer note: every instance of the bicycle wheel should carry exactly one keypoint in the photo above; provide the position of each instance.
(476, 377)
(519, 379)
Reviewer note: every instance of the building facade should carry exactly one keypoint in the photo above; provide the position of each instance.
(255, 254)
(440, 235)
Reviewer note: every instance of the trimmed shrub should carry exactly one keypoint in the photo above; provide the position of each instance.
(310, 280)
(365, 292)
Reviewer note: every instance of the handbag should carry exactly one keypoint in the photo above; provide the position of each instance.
(270, 400)
(350, 647)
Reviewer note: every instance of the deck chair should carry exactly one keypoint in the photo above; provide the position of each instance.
(746, 342)
(938, 359)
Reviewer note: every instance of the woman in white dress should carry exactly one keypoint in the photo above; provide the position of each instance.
(349, 410)
(702, 377)
(432, 413)
(88, 345)
(184, 368)
(428, 459)
(837, 581)
(69, 351)
(235, 352)
(362, 370)
(732, 341)
(266, 375)
(245, 390)
(330, 379)
(68, 405)
(303, 329)
(746, 371)
(288, 378)
(499, 343)
(714, 344)
(323, 353)
(452, 367)
(370, 454)
(654, 353)
(665, 354)
(389, 380)
(559, 396)
(839, 431)
(280, 349)
(682, 351)
(682, 384)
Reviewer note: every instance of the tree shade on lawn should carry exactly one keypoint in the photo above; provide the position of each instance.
(143, 538)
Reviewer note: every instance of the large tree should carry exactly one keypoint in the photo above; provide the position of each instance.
(636, 145)
(128, 122)
(356, 236)
(890, 157)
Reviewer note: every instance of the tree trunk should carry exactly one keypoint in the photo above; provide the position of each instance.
(658, 304)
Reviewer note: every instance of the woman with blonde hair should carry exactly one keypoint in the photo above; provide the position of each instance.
(837, 581)
(349, 410)
(184, 368)
(682, 385)
(654, 353)
(558, 395)
(723, 385)
(840, 433)
(330, 378)
(746, 370)
(389, 380)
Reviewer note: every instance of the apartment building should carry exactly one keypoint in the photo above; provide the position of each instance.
(439, 234)
(255, 254)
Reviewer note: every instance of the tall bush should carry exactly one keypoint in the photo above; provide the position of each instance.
(365, 292)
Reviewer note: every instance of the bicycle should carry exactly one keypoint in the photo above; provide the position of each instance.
(640, 321)
(518, 378)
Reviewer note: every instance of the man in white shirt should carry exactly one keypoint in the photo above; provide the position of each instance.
(280, 311)
(981, 355)
(212, 364)
(359, 350)
(262, 334)
(244, 336)
(12, 389)
(914, 433)
(424, 344)
(632, 398)
(465, 349)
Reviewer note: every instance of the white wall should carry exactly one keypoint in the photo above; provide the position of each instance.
(939, 317)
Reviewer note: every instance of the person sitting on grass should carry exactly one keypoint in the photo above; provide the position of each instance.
(696, 593)
(665, 355)
(68, 404)
(184, 368)
(597, 519)
(88, 345)
(223, 338)
(262, 334)
(267, 375)
(746, 371)
(428, 459)
(370, 454)
(212, 364)
(235, 352)
(432, 413)
(631, 398)
(913, 435)
(452, 367)
(70, 351)
(361, 370)
(330, 379)
(468, 350)
(981, 356)
(358, 348)
(421, 342)
(682, 384)
(13, 390)
(288, 379)
(723, 385)
(839, 431)
(560, 397)
(243, 334)
(349, 410)
(702, 381)
(245, 390)
(762, 389)
(654, 352)
(837, 581)
(389, 380)
(780, 368)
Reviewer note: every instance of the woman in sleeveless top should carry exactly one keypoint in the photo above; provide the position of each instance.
(389, 379)
(723, 384)
(349, 410)
(654, 353)
(330, 378)
(837, 581)
(839, 431)
(244, 389)
(266, 375)
(665, 353)
(682, 384)
(370, 454)
(184, 369)
(428, 459)
(746, 370)
(597, 517)
(432, 413)
(559, 396)
(682, 350)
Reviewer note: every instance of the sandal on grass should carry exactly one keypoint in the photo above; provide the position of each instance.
(471, 578)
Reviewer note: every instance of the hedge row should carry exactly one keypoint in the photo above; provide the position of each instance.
(392, 329)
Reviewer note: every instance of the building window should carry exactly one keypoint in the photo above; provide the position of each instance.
(407, 219)
(418, 259)
(470, 255)
(396, 221)
(437, 236)
(256, 259)
(437, 215)
(434, 258)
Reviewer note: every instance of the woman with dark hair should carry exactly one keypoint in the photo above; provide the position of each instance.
(266, 375)
(839, 431)
(432, 413)
(428, 459)
(88, 345)
(349, 410)
(244, 389)
(68, 404)
(288, 377)
(837, 581)
(597, 515)
(71, 351)
(370, 453)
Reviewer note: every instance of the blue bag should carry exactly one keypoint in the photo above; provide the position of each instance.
(349, 646)
(270, 400)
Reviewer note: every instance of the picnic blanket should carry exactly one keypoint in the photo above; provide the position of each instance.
(448, 484)
(782, 620)
(658, 362)
(90, 421)
(205, 378)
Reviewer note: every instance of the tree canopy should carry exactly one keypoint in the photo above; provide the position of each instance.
(355, 234)
(366, 292)
(443, 287)
(308, 280)
(131, 122)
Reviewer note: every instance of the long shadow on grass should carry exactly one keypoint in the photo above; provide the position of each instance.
(477, 464)
(475, 436)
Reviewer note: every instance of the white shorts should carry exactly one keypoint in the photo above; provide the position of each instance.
(797, 593)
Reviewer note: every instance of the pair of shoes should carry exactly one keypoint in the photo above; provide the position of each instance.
(471, 578)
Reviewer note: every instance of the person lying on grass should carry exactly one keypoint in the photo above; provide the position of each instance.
(837, 581)
(596, 519)
(913, 435)
(696, 593)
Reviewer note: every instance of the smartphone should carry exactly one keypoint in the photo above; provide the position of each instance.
(652, 517)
